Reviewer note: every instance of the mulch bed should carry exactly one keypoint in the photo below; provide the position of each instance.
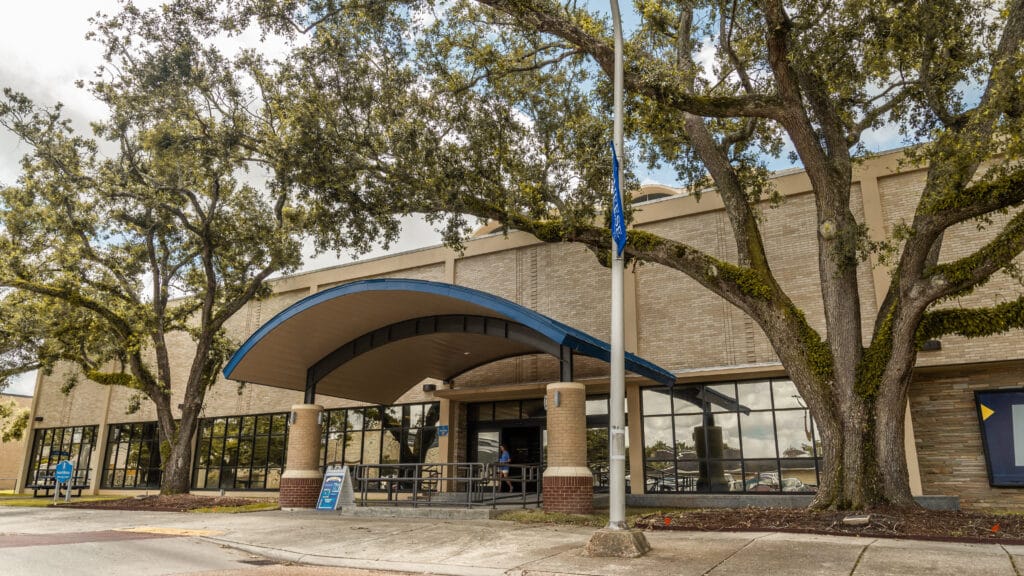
(175, 503)
(895, 523)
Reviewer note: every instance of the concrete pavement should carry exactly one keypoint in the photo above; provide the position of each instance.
(490, 547)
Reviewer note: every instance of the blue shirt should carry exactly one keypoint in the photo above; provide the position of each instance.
(504, 458)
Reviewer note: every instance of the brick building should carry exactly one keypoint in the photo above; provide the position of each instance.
(763, 443)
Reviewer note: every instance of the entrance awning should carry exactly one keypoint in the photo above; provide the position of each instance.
(372, 340)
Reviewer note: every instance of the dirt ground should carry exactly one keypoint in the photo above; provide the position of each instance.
(176, 503)
(917, 524)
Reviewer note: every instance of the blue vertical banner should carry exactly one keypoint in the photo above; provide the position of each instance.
(618, 215)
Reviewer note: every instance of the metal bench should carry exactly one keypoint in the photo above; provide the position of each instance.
(44, 481)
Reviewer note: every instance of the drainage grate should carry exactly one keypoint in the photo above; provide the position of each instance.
(260, 562)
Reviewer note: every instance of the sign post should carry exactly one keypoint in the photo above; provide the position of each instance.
(336, 490)
(62, 475)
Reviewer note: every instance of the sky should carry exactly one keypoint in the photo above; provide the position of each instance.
(45, 61)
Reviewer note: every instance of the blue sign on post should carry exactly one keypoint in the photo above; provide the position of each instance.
(65, 469)
(442, 430)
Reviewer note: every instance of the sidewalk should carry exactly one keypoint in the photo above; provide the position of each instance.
(488, 547)
(491, 547)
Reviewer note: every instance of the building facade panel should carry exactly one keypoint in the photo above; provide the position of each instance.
(679, 444)
(949, 445)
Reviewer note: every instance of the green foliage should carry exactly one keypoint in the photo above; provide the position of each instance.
(13, 421)
(973, 322)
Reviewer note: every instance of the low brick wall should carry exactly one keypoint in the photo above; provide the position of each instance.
(299, 492)
(948, 436)
(569, 494)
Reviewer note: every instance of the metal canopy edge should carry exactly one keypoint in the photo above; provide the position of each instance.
(559, 333)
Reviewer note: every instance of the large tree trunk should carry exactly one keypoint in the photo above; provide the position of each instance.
(864, 464)
(177, 477)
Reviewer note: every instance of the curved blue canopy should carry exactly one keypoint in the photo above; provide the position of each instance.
(373, 339)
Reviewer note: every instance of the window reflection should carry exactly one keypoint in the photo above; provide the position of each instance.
(748, 437)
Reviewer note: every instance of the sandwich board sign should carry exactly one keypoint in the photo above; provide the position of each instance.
(336, 490)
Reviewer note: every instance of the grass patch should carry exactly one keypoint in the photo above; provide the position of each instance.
(253, 507)
(30, 502)
(596, 520)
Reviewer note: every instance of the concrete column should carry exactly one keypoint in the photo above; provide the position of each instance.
(300, 483)
(568, 483)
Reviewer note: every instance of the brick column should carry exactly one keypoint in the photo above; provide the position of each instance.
(568, 483)
(300, 483)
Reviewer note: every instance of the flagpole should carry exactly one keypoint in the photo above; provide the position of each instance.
(616, 412)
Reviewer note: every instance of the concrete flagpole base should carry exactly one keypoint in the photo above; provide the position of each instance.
(618, 544)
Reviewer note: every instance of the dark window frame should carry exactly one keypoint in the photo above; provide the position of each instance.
(230, 434)
(138, 434)
(745, 463)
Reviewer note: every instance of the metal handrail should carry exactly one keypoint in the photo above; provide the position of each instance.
(417, 484)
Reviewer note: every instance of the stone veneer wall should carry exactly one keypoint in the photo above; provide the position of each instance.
(949, 446)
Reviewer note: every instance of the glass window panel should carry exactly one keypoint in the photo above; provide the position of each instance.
(371, 447)
(213, 478)
(279, 424)
(200, 479)
(732, 473)
(729, 424)
(353, 448)
(248, 426)
(755, 395)
(260, 451)
(392, 452)
(686, 427)
(258, 479)
(274, 479)
(661, 476)
(726, 390)
(431, 414)
(799, 475)
(393, 415)
(658, 438)
(233, 426)
(534, 408)
(371, 419)
(487, 446)
(416, 415)
(758, 435)
(412, 451)
(761, 475)
(656, 401)
(793, 429)
(685, 401)
(786, 395)
(263, 424)
(219, 427)
(334, 448)
(241, 479)
(597, 405)
(506, 410)
(245, 448)
(355, 418)
(275, 454)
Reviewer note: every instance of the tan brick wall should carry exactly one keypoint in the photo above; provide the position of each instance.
(12, 453)
(899, 198)
(949, 445)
